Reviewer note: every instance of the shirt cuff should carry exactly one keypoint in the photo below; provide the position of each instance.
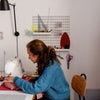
(15, 79)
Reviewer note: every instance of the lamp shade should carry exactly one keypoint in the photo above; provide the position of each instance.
(4, 5)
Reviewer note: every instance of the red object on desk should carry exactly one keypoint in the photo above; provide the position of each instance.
(11, 86)
(2, 87)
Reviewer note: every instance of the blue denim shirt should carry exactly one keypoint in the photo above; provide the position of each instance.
(52, 82)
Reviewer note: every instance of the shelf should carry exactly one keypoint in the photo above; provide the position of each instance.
(62, 50)
(42, 33)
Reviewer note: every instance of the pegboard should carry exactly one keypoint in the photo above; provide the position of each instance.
(57, 25)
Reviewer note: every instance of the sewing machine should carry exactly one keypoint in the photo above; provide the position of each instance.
(13, 67)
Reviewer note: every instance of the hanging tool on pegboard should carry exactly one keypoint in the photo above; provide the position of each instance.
(69, 58)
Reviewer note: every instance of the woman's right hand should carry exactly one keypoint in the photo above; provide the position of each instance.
(9, 79)
(29, 78)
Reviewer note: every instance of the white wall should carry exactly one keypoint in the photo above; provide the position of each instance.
(85, 38)
(85, 33)
(8, 42)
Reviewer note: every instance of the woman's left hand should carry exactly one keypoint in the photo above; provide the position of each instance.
(9, 79)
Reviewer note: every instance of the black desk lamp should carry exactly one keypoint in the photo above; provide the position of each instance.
(4, 5)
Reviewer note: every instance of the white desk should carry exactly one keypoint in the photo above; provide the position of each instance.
(14, 95)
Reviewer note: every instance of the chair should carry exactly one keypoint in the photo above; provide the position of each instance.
(78, 84)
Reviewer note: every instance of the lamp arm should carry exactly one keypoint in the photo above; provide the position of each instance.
(16, 33)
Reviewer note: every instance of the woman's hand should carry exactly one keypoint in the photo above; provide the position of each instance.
(9, 79)
(29, 79)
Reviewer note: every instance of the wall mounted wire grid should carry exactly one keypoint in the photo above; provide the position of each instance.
(56, 24)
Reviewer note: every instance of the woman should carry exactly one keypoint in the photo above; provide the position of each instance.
(51, 79)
